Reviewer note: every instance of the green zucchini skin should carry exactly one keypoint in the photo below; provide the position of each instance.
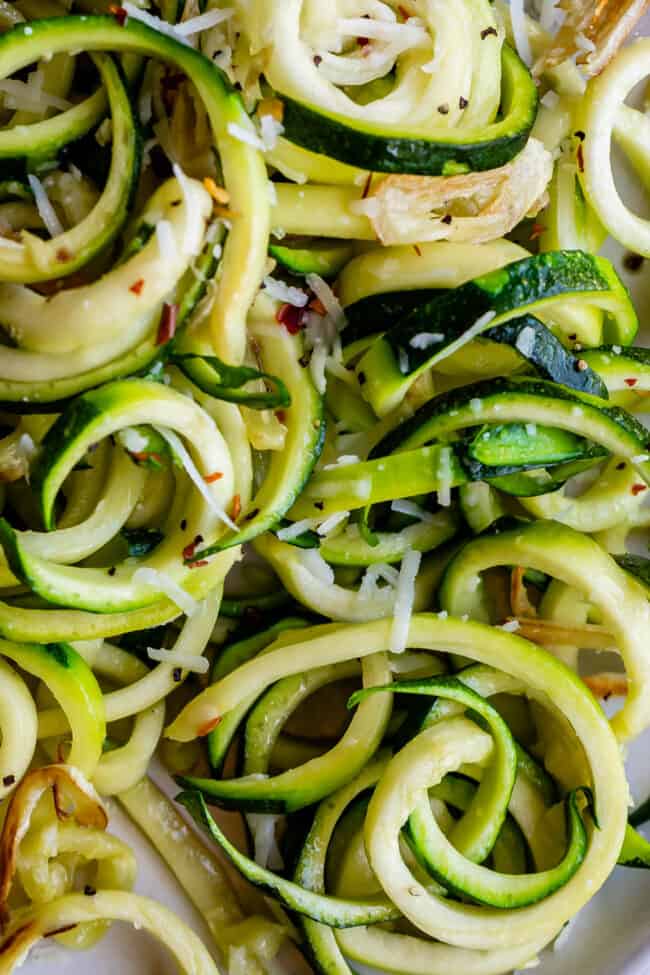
(333, 911)
(392, 363)
(442, 152)
(500, 890)
(218, 379)
(442, 416)
(548, 356)
(312, 255)
(379, 312)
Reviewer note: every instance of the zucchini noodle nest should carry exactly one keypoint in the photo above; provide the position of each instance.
(320, 456)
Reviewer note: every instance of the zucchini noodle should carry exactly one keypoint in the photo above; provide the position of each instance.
(323, 467)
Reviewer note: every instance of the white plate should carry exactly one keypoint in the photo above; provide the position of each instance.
(610, 937)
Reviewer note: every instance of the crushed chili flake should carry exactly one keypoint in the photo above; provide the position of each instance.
(167, 327)
(198, 564)
(236, 507)
(487, 32)
(63, 255)
(142, 456)
(137, 286)
(209, 726)
(291, 317)
(281, 416)
(316, 305)
(403, 12)
(273, 107)
(417, 249)
(218, 193)
(580, 159)
(536, 231)
(363, 41)
(189, 550)
(631, 381)
(119, 13)
(366, 186)
(638, 488)
(211, 478)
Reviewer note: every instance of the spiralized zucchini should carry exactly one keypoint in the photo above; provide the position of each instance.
(319, 461)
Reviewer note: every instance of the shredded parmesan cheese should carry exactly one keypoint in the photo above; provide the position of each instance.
(203, 22)
(294, 531)
(404, 598)
(183, 456)
(45, 209)
(164, 583)
(410, 508)
(280, 291)
(246, 136)
(330, 302)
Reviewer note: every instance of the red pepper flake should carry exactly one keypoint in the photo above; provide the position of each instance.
(137, 286)
(167, 327)
(281, 415)
(317, 59)
(236, 507)
(316, 305)
(142, 456)
(363, 41)
(189, 550)
(631, 381)
(417, 249)
(291, 317)
(211, 478)
(536, 231)
(198, 564)
(638, 489)
(119, 13)
(580, 159)
(366, 186)
(403, 12)
(63, 255)
(208, 726)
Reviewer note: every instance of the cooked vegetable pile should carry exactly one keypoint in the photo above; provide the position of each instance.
(320, 463)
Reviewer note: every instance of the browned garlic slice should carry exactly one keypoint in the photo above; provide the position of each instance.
(471, 208)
